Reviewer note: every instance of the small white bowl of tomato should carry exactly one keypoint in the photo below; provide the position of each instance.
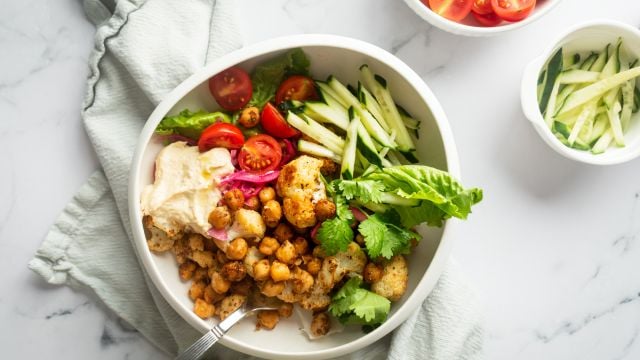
(480, 17)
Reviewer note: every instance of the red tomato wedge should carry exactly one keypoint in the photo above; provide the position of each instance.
(274, 123)
(513, 10)
(490, 19)
(220, 135)
(231, 88)
(296, 87)
(482, 7)
(455, 10)
(259, 154)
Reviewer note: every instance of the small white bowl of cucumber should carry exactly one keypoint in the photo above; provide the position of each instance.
(581, 94)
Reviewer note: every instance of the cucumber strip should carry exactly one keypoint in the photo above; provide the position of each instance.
(600, 125)
(316, 131)
(601, 60)
(564, 94)
(329, 95)
(587, 114)
(541, 82)
(627, 102)
(586, 64)
(614, 122)
(372, 105)
(603, 142)
(362, 163)
(576, 76)
(551, 105)
(367, 148)
(613, 63)
(412, 124)
(636, 99)
(318, 150)
(393, 158)
(327, 114)
(347, 168)
(561, 129)
(554, 67)
(369, 122)
(380, 91)
(597, 89)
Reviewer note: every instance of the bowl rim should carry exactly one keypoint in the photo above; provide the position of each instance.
(440, 257)
(530, 103)
(468, 30)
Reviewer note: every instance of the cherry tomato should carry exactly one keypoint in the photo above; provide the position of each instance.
(482, 7)
(296, 87)
(220, 135)
(455, 10)
(231, 88)
(260, 153)
(274, 123)
(513, 10)
(490, 19)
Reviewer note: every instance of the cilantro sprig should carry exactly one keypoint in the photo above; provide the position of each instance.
(353, 304)
(336, 234)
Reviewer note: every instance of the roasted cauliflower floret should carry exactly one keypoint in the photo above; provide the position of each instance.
(394, 279)
(334, 268)
(157, 239)
(300, 186)
(247, 224)
(253, 256)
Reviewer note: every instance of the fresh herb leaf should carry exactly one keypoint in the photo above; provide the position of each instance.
(354, 305)
(362, 190)
(267, 76)
(383, 235)
(336, 234)
(190, 124)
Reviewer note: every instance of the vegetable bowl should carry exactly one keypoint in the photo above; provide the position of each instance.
(468, 18)
(589, 111)
(329, 122)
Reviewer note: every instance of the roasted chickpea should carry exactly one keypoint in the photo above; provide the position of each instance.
(270, 288)
(234, 199)
(233, 271)
(252, 203)
(285, 310)
(266, 194)
(211, 296)
(268, 245)
(279, 271)
(360, 239)
(372, 272)
(271, 213)
(219, 283)
(302, 281)
(314, 266)
(329, 167)
(320, 325)
(283, 232)
(186, 270)
(249, 117)
(267, 319)
(237, 249)
(196, 291)
(324, 209)
(261, 270)
(220, 217)
(203, 309)
(301, 245)
(201, 274)
(286, 253)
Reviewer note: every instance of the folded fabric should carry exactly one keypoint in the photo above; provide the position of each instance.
(143, 49)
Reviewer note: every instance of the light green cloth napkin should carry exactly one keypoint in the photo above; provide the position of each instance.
(143, 49)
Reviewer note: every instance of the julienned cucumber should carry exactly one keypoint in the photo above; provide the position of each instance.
(316, 131)
(347, 170)
(318, 150)
(589, 105)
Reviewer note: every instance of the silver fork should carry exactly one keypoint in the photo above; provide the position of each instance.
(198, 348)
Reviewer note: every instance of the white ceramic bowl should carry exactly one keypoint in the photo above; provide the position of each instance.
(585, 37)
(470, 27)
(329, 55)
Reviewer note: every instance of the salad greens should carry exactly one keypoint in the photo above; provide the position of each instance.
(267, 76)
(354, 305)
(336, 234)
(190, 124)
(385, 236)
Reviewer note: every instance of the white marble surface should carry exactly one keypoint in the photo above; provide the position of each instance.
(552, 252)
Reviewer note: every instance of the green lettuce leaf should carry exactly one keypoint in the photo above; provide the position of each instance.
(190, 124)
(267, 76)
(354, 305)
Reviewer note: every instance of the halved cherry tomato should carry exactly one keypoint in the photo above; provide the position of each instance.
(513, 10)
(455, 10)
(220, 135)
(296, 87)
(274, 123)
(260, 153)
(231, 88)
(490, 19)
(482, 7)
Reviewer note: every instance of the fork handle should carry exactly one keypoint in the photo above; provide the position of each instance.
(198, 348)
